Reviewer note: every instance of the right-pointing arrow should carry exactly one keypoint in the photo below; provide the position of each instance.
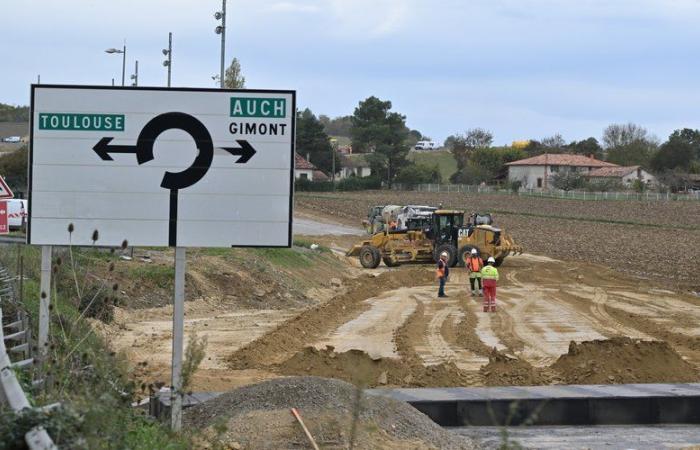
(245, 151)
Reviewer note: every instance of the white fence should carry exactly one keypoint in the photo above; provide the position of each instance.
(574, 195)
(19, 341)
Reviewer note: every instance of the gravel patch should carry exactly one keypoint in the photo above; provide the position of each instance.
(314, 395)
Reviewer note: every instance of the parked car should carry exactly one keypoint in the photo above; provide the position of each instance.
(12, 139)
(426, 145)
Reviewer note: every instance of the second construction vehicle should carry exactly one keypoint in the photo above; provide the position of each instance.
(445, 232)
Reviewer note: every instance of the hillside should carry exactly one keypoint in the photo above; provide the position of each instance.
(443, 158)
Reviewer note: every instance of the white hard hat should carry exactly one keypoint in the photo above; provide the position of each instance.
(444, 254)
(474, 252)
(491, 260)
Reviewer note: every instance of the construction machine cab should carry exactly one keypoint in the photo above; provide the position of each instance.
(446, 226)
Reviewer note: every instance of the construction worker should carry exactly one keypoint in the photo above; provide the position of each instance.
(443, 271)
(474, 264)
(490, 276)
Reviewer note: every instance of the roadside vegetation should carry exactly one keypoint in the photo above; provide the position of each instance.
(82, 375)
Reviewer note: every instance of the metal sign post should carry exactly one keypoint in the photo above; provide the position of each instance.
(178, 337)
(45, 300)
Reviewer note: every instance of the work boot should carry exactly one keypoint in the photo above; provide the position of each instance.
(473, 293)
(481, 292)
(486, 309)
(493, 305)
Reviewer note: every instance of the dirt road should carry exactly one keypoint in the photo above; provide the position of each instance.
(410, 337)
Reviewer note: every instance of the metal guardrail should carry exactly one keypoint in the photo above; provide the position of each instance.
(18, 342)
(553, 193)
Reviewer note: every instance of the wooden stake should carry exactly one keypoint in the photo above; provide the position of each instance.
(296, 414)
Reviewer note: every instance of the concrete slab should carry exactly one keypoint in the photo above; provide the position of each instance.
(556, 405)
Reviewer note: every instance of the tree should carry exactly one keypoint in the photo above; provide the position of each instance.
(449, 142)
(414, 174)
(377, 130)
(635, 153)
(678, 152)
(13, 167)
(234, 79)
(567, 180)
(588, 147)
(478, 138)
(555, 142)
(463, 146)
(312, 140)
(618, 135)
(338, 126)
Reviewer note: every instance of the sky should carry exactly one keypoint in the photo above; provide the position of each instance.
(520, 68)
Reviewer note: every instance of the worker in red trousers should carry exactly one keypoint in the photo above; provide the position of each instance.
(489, 276)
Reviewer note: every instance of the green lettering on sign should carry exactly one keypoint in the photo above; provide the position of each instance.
(274, 108)
(81, 122)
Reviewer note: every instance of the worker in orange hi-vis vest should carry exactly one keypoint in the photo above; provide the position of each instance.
(474, 264)
(442, 272)
(490, 276)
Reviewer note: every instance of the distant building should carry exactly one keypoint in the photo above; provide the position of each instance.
(536, 172)
(303, 169)
(354, 165)
(624, 174)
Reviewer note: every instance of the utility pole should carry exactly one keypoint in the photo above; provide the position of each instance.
(169, 53)
(135, 76)
(123, 63)
(221, 29)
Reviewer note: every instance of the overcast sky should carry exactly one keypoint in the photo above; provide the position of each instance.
(520, 68)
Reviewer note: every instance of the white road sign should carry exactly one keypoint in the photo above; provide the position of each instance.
(161, 167)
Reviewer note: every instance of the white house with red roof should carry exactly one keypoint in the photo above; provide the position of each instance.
(536, 172)
(624, 174)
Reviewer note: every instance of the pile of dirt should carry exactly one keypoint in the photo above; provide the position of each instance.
(292, 335)
(359, 368)
(623, 360)
(505, 370)
(258, 417)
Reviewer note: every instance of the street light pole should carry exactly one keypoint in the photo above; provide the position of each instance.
(123, 52)
(170, 55)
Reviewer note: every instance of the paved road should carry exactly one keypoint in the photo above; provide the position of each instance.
(307, 226)
(611, 437)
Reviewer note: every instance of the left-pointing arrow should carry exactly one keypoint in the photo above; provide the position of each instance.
(103, 149)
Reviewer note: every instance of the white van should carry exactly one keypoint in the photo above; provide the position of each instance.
(425, 145)
(17, 212)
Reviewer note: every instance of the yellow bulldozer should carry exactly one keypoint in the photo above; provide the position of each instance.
(446, 231)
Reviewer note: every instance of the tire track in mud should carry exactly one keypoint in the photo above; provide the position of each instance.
(310, 325)
(544, 323)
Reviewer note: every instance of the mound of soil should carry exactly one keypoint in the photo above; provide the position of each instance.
(258, 417)
(292, 335)
(623, 360)
(359, 368)
(504, 370)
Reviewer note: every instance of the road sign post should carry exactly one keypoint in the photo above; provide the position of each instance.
(178, 337)
(44, 300)
(160, 167)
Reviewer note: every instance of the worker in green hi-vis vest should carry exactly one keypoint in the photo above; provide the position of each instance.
(489, 275)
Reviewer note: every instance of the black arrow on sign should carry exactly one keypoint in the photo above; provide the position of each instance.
(245, 151)
(103, 149)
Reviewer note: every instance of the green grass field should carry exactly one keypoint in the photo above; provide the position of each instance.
(442, 158)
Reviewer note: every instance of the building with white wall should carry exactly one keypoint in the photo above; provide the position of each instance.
(624, 174)
(536, 172)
